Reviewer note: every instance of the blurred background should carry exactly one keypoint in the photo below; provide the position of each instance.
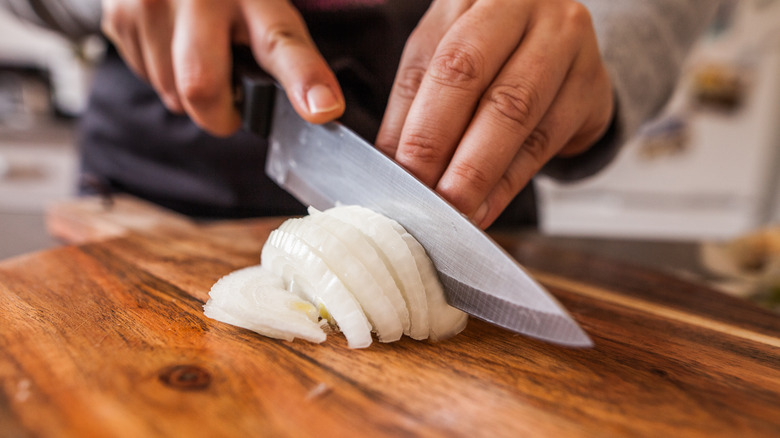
(705, 171)
(43, 88)
(707, 167)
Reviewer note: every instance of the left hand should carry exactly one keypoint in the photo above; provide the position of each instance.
(488, 91)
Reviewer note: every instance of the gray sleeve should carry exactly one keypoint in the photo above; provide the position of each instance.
(74, 19)
(643, 44)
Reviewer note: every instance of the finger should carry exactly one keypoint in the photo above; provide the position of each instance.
(465, 62)
(416, 57)
(508, 113)
(576, 119)
(512, 108)
(202, 66)
(554, 132)
(156, 34)
(118, 24)
(600, 102)
(282, 45)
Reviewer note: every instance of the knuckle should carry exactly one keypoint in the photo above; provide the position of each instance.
(514, 103)
(536, 146)
(408, 81)
(577, 16)
(281, 35)
(457, 65)
(420, 149)
(198, 86)
(475, 176)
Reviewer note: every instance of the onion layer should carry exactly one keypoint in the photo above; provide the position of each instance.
(347, 267)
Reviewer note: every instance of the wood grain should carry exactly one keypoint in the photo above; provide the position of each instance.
(108, 338)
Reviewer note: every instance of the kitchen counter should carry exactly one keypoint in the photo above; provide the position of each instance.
(106, 337)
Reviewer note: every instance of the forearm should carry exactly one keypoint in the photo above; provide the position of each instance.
(72, 18)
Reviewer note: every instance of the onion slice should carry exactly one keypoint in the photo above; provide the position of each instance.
(444, 320)
(347, 268)
(351, 271)
(256, 299)
(394, 251)
(306, 273)
(373, 271)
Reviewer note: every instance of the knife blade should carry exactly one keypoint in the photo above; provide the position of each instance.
(327, 165)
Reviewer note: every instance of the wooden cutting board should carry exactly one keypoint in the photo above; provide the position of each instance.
(106, 337)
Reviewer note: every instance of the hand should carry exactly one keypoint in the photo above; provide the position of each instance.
(183, 48)
(488, 91)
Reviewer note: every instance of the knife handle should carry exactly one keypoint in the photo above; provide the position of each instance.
(254, 92)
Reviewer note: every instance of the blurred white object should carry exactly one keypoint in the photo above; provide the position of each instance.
(27, 46)
(699, 173)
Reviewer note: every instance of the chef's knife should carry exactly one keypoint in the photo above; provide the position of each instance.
(326, 165)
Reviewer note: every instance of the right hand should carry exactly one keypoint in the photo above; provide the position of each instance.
(183, 49)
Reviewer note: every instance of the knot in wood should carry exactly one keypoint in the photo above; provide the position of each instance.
(185, 377)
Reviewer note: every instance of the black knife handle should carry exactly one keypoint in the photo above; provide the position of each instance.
(254, 92)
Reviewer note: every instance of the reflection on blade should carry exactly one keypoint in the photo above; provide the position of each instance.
(325, 165)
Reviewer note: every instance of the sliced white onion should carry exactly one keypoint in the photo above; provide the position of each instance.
(290, 258)
(395, 253)
(444, 320)
(373, 268)
(350, 269)
(255, 299)
(349, 266)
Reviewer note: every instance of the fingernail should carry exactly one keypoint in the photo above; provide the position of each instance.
(480, 214)
(321, 99)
